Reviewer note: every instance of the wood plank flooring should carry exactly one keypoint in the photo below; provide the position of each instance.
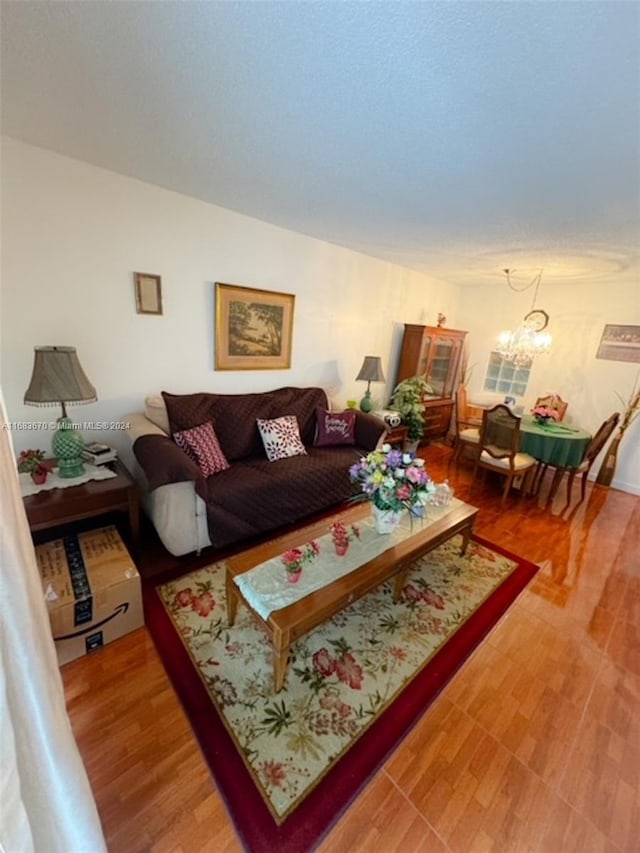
(533, 746)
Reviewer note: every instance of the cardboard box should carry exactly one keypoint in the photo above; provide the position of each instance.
(92, 590)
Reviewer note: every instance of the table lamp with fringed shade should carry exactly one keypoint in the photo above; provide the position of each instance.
(371, 371)
(58, 378)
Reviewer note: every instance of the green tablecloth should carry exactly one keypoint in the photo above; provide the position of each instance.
(555, 444)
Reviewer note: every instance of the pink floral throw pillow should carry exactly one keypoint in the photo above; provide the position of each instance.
(202, 445)
(281, 437)
(335, 428)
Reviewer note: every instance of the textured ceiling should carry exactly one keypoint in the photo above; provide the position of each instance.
(454, 138)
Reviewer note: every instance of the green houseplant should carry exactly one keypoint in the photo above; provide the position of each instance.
(407, 400)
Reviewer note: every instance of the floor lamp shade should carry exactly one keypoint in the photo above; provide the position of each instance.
(371, 371)
(58, 378)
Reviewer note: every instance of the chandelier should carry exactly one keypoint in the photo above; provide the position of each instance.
(529, 339)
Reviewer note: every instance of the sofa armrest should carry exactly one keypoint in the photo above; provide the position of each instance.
(163, 462)
(369, 430)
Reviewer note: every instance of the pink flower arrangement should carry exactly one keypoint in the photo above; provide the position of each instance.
(295, 558)
(32, 462)
(544, 413)
(342, 535)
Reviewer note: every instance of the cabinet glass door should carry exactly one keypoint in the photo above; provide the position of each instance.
(439, 367)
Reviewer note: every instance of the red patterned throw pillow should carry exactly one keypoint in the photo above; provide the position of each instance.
(281, 437)
(335, 428)
(202, 445)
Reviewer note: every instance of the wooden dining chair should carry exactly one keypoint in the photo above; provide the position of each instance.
(467, 427)
(554, 401)
(499, 449)
(591, 453)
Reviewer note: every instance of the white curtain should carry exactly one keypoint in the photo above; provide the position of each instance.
(46, 804)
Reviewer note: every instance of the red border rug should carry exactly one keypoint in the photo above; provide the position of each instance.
(331, 797)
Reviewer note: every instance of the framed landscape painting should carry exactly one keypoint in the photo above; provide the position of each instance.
(620, 343)
(254, 328)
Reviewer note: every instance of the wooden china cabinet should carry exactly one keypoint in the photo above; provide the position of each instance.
(435, 354)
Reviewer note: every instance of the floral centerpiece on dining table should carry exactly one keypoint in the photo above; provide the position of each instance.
(394, 482)
(545, 414)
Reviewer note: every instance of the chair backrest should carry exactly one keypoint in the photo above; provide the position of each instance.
(461, 407)
(500, 432)
(554, 401)
(601, 437)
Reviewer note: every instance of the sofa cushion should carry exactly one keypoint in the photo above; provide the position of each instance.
(234, 416)
(335, 428)
(281, 437)
(201, 444)
(156, 411)
(255, 495)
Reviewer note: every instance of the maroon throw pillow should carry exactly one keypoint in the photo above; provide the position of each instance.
(335, 428)
(202, 445)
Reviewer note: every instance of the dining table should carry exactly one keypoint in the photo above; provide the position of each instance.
(561, 445)
(553, 443)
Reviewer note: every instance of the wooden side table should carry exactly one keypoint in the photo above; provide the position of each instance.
(56, 507)
(396, 435)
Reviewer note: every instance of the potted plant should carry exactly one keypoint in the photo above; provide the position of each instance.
(295, 558)
(32, 462)
(407, 400)
(343, 535)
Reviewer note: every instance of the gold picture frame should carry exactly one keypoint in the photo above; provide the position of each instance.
(148, 289)
(253, 328)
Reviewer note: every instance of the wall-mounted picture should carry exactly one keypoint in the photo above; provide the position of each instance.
(620, 343)
(254, 328)
(148, 293)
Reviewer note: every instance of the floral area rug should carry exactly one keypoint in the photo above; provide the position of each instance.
(288, 763)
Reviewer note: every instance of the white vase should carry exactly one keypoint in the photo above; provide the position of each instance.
(386, 520)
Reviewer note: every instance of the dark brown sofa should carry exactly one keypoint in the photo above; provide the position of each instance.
(253, 495)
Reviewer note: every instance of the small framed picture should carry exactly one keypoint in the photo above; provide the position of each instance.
(148, 293)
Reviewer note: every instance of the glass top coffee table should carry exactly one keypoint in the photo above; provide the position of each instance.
(374, 559)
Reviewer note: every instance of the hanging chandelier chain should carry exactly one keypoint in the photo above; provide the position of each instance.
(535, 292)
(535, 280)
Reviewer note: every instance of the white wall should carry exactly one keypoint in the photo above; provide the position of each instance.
(74, 234)
(578, 313)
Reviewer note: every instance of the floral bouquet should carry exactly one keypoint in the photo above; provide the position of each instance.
(544, 414)
(342, 535)
(392, 480)
(295, 558)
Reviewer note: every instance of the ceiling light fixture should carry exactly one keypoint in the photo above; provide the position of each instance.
(529, 339)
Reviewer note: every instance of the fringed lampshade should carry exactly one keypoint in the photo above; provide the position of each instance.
(58, 379)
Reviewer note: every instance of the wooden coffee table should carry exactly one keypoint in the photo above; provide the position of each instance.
(285, 626)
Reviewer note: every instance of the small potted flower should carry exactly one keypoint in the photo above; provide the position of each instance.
(32, 462)
(545, 414)
(295, 558)
(342, 536)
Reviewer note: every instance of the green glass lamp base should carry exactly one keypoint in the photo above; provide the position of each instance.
(67, 446)
(366, 404)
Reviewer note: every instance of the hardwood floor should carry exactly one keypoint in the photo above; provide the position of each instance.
(533, 746)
